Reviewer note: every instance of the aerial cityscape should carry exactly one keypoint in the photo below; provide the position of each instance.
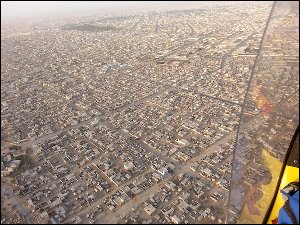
(165, 116)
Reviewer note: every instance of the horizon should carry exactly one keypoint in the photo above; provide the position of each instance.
(16, 11)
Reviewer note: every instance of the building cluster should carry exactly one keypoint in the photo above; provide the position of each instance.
(11, 158)
(136, 121)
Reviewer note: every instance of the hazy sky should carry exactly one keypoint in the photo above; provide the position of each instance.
(29, 9)
(12, 10)
(26, 9)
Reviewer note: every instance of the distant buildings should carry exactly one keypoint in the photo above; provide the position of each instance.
(138, 124)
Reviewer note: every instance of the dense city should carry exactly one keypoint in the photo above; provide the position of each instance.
(134, 118)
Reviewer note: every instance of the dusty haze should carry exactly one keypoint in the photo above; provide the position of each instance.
(19, 10)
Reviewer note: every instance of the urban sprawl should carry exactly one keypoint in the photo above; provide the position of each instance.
(134, 118)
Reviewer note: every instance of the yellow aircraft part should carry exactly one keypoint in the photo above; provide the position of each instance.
(274, 166)
(290, 174)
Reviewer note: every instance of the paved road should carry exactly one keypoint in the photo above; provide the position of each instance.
(49, 136)
(144, 195)
(112, 192)
(126, 208)
(182, 167)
